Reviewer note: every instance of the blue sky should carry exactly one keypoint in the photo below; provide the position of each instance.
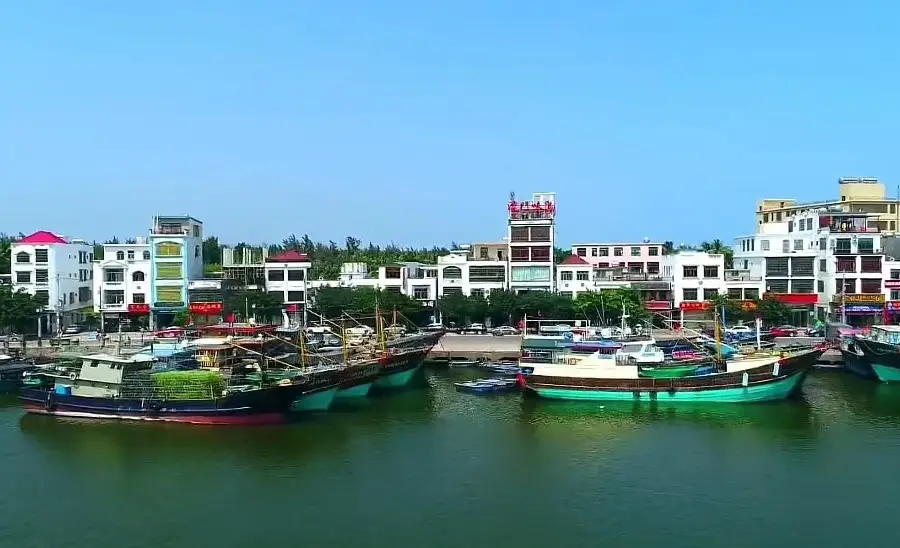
(412, 121)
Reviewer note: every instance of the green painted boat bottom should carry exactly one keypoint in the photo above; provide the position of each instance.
(396, 380)
(358, 391)
(886, 373)
(669, 372)
(316, 401)
(777, 390)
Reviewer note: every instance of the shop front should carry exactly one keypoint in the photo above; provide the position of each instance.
(694, 314)
(802, 306)
(205, 313)
(860, 309)
(892, 312)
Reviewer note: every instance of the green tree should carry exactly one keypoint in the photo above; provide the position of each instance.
(5, 253)
(182, 318)
(717, 246)
(773, 312)
(19, 310)
(212, 251)
(606, 306)
(264, 306)
(361, 303)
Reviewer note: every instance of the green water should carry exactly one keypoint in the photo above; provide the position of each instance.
(432, 467)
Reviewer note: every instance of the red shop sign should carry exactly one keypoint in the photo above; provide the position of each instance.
(205, 309)
(694, 306)
(139, 309)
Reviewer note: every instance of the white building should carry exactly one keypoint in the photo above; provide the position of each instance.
(477, 269)
(58, 270)
(416, 280)
(176, 258)
(531, 239)
(817, 261)
(287, 276)
(121, 283)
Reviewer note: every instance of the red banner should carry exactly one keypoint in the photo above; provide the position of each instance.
(205, 309)
(138, 309)
(658, 305)
(794, 298)
(695, 306)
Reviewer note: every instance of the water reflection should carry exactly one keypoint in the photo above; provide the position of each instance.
(839, 396)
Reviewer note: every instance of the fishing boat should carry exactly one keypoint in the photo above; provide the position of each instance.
(853, 358)
(487, 386)
(12, 373)
(880, 350)
(103, 386)
(739, 380)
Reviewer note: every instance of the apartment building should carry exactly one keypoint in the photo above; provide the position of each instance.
(121, 285)
(287, 277)
(416, 280)
(636, 258)
(531, 233)
(59, 271)
(475, 269)
(176, 258)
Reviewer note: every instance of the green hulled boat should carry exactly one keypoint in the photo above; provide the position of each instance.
(671, 372)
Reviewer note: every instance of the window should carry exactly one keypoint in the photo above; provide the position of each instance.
(483, 253)
(518, 234)
(23, 277)
(565, 275)
(146, 255)
(798, 245)
(455, 273)
(137, 276)
(820, 286)
(169, 296)
(751, 293)
(168, 249)
(764, 245)
(40, 255)
(138, 298)
(392, 273)
(653, 251)
(519, 254)
(168, 271)
(735, 293)
(452, 291)
(710, 293)
(120, 255)
(846, 264)
(777, 286)
(530, 273)
(823, 265)
(114, 297)
(635, 252)
(618, 251)
(540, 234)
(582, 275)
(778, 217)
(823, 243)
(478, 293)
(295, 296)
(540, 253)
(43, 296)
(895, 295)
(487, 274)
(870, 265)
(604, 251)
(84, 294)
(690, 294)
(893, 225)
(41, 276)
(22, 257)
(895, 274)
(196, 251)
(113, 275)
(420, 292)
(602, 265)
(891, 208)
(593, 252)
(847, 285)
(710, 271)
(870, 285)
(802, 286)
(566, 294)
(275, 275)
(581, 251)
(689, 271)
(776, 266)
(635, 268)
(653, 268)
(802, 266)
(785, 246)
(866, 245)
(295, 275)
(790, 226)
(842, 245)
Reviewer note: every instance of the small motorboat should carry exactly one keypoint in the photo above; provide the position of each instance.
(487, 386)
(509, 368)
(463, 363)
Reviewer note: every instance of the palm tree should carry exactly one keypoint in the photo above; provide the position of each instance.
(718, 247)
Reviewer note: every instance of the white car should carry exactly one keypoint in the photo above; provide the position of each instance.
(505, 330)
(739, 330)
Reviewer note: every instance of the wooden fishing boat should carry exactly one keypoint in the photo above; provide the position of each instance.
(881, 352)
(755, 380)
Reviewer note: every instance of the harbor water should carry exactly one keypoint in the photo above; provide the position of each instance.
(431, 466)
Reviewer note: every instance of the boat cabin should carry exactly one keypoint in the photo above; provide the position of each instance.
(640, 353)
(888, 334)
(100, 375)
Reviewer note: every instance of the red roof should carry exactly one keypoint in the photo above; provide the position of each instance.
(43, 237)
(290, 257)
(574, 259)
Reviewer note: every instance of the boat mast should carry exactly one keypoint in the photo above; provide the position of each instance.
(718, 332)
(379, 325)
(344, 350)
(302, 340)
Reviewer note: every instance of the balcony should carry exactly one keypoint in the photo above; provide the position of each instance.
(741, 276)
(164, 230)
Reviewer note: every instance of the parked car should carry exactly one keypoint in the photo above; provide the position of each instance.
(73, 330)
(435, 327)
(475, 328)
(739, 330)
(784, 331)
(505, 330)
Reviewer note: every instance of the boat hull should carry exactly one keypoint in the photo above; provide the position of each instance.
(858, 365)
(397, 370)
(262, 406)
(357, 379)
(775, 381)
(669, 372)
(315, 400)
(354, 392)
(883, 358)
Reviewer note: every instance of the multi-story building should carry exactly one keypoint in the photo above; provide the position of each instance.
(287, 277)
(57, 270)
(176, 258)
(122, 285)
(416, 280)
(697, 278)
(822, 262)
(245, 265)
(856, 195)
(531, 239)
(635, 258)
(475, 269)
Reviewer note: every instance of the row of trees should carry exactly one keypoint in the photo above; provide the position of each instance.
(18, 310)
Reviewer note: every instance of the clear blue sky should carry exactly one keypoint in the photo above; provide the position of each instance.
(411, 121)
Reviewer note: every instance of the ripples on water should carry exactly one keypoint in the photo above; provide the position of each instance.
(432, 466)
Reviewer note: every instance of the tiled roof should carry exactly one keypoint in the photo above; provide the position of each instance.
(289, 257)
(574, 260)
(42, 237)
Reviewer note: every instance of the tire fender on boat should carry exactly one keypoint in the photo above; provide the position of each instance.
(745, 380)
(72, 376)
(776, 369)
(572, 361)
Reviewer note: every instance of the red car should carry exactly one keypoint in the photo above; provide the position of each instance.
(784, 331)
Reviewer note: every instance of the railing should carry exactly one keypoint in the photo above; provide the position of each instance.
(175, 231)
(733, 277)
(633, 277)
